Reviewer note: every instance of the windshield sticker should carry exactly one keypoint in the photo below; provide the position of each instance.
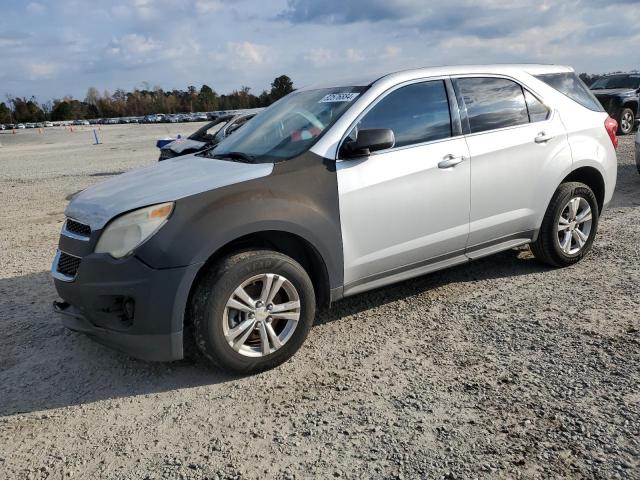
(339, 97)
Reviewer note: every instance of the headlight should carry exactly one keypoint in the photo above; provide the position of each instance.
(126, 233)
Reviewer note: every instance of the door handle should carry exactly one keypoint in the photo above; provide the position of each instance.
(543, 138)
(450, 161)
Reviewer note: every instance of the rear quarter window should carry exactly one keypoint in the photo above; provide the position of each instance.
(569, 84)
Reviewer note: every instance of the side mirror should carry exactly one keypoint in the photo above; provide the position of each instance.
(368, 141)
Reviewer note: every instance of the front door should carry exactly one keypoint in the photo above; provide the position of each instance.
(407, 207)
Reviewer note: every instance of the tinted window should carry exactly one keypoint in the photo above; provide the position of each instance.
(492, 103)
(617, 81)
(538, 112)
(570, 85)
(416, 113)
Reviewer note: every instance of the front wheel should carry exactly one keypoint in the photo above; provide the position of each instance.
(569, 226)
(252, 311)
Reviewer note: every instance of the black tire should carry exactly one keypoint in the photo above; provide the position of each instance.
(546, 248)
(217, 286)
(629, 124)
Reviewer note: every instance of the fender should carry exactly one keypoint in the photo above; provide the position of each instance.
(299, 197)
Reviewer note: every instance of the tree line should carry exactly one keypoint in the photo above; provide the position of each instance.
(139, 102)
(147, 101)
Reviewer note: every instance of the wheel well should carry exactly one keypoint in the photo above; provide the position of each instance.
(592, 178)
(633, 105)
(284, 242)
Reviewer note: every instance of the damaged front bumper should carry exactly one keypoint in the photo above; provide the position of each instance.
(127, 305)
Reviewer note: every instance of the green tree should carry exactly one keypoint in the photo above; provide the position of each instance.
(207, 99)
(61, 111)
(6, 116)
(280, 87)
(27, 110)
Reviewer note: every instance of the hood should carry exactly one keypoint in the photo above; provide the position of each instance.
(612, 91)
(182, 144)
(165, 181)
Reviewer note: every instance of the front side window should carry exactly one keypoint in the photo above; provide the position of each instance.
(416, 113)
(569, 84)
(289, 127)
(492, 103)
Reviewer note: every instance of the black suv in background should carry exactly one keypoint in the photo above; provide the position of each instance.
(619, 94)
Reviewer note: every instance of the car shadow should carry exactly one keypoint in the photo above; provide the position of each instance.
(44, 366)
(511, 263)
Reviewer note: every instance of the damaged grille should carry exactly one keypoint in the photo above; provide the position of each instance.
(68, 265)
(77, 228)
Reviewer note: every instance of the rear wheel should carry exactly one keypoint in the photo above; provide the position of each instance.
(253, 311)
(626, 121)
(569, 226)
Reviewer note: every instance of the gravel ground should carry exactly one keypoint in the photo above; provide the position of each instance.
(502, 368)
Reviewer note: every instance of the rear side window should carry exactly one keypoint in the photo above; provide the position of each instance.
(416, 113)
(570, 85)
(538, 111)
(492, 103)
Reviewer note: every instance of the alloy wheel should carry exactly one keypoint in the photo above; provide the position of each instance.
(574, 225)
(261, 315)
(626, 122)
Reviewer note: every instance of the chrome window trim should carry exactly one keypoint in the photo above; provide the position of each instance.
(383, 95)
(513, 127)
(54, 268)
(75, 236)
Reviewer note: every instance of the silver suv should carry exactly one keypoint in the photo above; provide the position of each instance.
(330, 192)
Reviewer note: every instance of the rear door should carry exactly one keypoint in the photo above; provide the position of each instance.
(403, 209)
(517, 146)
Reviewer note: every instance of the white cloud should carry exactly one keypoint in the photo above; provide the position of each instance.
(35, 8)
(132, 50)
(204, 7)
(41, 70)
(247, 53)
(319, 57)
(391, 51)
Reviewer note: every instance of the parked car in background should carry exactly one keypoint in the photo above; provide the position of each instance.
(48, 124)
(20, 126)
(2, 127)
(619, 94)
(206, 137)
(328, 193)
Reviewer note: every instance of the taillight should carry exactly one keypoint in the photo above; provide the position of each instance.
(611, 126)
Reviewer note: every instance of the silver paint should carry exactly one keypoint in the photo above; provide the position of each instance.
(398, 209)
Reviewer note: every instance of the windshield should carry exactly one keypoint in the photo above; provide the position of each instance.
(617, 81)
(288, 127)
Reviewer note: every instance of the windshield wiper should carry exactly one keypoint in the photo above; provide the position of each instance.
(235, 156)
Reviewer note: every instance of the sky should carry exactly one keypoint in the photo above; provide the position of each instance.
(55, 48)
